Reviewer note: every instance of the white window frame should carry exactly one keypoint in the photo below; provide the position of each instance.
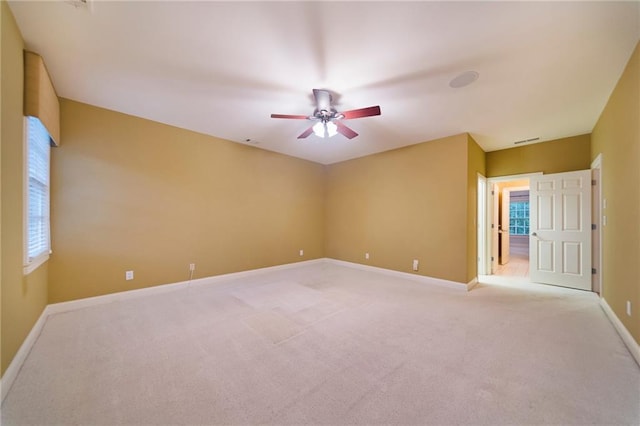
(31, 264)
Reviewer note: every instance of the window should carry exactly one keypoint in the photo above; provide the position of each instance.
(519, 218)
(38, 243)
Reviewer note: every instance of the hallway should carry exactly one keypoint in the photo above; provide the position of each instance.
(518, 266)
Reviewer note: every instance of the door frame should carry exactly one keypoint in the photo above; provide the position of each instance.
(480, 224)
(489, 216)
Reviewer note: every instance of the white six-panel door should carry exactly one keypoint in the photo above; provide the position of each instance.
(560, 227)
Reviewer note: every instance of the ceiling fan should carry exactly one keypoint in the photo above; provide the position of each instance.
(328, 118)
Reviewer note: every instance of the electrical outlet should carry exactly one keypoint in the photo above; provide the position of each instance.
(192, 267)
(629, 307)
(128, 275)
(301, 252)
(366, 255)
(415, 264)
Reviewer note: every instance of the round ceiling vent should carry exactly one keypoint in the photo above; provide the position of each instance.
(464, 79)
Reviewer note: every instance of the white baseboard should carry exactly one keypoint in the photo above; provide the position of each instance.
(14, 367)
(55, 308)
(12, 371)
(414, 277)
(163, 288)
(627, 338)
(72, 305)
(471, 284)
(252, 272)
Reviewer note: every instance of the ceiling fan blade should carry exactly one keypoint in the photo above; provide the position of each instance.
(345, 131)
(323, 99)
(306, 133)
(297, 117)
(362, 112)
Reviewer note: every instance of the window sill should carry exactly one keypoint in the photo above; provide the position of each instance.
(35, 263)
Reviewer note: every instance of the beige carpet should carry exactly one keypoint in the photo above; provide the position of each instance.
(327, 344)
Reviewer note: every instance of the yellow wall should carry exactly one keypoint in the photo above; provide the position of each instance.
(408, 203)
(617, 137)
(132, 194)
(557, 156)
(23, 297)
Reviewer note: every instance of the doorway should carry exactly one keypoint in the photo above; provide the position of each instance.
(513, 228)
(481, 221)
(564, 244)
(507, 243)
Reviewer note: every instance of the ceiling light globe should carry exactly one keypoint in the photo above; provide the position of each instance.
(319, 129)
(332, 129)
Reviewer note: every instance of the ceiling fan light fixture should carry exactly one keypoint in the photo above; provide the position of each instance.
(332, 129)
(325, 129)
(328, 119)
(319, 129)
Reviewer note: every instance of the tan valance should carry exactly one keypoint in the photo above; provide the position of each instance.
(40, 99)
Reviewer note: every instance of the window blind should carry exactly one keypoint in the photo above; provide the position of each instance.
(38, 148)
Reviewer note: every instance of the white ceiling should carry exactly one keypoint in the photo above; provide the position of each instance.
(221, 68)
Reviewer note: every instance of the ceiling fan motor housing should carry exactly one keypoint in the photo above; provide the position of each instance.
(327, 115)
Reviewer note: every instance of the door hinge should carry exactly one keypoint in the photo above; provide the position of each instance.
(594, 226)
(593, 182)
(492, 258)
(593, 271)
(493, 193)
(492, 226)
